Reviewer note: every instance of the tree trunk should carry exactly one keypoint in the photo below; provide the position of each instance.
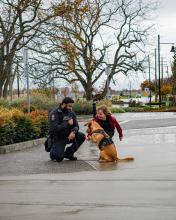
(1, 87)
(7, 75)
(104, 93)
(5, 90)
(89, 90)
(88, 95)
(11, 87)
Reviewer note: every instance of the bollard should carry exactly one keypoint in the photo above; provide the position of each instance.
(94, 112)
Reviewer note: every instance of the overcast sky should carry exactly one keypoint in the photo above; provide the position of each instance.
(165, 25)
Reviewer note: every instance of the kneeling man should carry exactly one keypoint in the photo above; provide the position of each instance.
(64, 129)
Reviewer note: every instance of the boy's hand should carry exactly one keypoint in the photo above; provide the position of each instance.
(120, 138)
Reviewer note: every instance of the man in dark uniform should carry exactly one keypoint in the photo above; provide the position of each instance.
(64, 129)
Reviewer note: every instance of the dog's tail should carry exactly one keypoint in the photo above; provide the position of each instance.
(125, 159)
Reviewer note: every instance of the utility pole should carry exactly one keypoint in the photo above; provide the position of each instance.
(18, 80)
(173, 49)
(162, 71)
(159, 78)
(167, 71)
(130, 89)
(156, 83)
(27, 77)
(149, 82)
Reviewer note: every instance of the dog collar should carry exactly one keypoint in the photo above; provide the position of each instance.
(104, 142)
(99, 131)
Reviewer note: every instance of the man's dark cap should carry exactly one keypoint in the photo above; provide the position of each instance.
(67, 100)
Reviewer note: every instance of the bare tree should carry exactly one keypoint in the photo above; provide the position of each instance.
(19, 23)
(94, 35)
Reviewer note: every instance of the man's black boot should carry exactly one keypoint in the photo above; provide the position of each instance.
(70, 157)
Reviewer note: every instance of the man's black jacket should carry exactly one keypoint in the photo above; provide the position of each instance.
(58, 123)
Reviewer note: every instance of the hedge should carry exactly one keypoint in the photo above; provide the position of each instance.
(37, 101)
(85, 108)
(16, 126)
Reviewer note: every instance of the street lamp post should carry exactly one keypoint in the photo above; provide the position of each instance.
(18, 80)
(150, 94)
(159, 79)
(173, 50)
(156, 84)
(27, 77)
(159, 64)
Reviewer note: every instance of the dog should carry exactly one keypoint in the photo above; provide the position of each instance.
(108, 151)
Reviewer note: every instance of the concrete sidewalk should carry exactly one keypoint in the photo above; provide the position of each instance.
(144, 189)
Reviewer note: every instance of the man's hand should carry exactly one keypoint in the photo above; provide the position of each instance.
(70, 121)
(87, 137)
(71, 136)
(120, 138)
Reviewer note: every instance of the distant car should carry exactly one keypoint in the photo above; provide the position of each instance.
(138, 96)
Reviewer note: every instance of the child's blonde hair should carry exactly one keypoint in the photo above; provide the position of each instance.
(104, 109)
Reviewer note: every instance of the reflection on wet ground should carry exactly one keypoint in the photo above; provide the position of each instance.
(150, 147)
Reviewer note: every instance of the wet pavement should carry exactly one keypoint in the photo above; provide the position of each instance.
(33, 187)
(37, 161)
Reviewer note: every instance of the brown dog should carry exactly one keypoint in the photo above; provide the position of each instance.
(108, 152)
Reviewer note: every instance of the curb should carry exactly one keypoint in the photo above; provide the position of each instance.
(20, 146)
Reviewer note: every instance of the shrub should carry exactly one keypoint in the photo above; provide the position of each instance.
(7, 125)
(155, 103)
(41, 101)
(4, 103)
(133, 109)
(118, 102)
(42, 124)
(37, 101)
(17, 103)
(6, 134)
(15, 126)
(46, 92)
(34, 114)
(84, 108)
(117, 110)
(24, 129)
(40, 120)
(105, 102)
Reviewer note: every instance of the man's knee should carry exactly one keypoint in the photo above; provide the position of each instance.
(54, 155)
(81, 137)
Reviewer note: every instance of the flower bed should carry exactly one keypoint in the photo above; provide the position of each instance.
(16, 126)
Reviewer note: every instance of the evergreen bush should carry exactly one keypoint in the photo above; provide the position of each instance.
(117, 110)
(15, 126)
(82, 108)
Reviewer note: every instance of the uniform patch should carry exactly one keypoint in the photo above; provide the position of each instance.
(53, 117)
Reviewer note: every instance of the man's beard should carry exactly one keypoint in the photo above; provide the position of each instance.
(65, 110)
